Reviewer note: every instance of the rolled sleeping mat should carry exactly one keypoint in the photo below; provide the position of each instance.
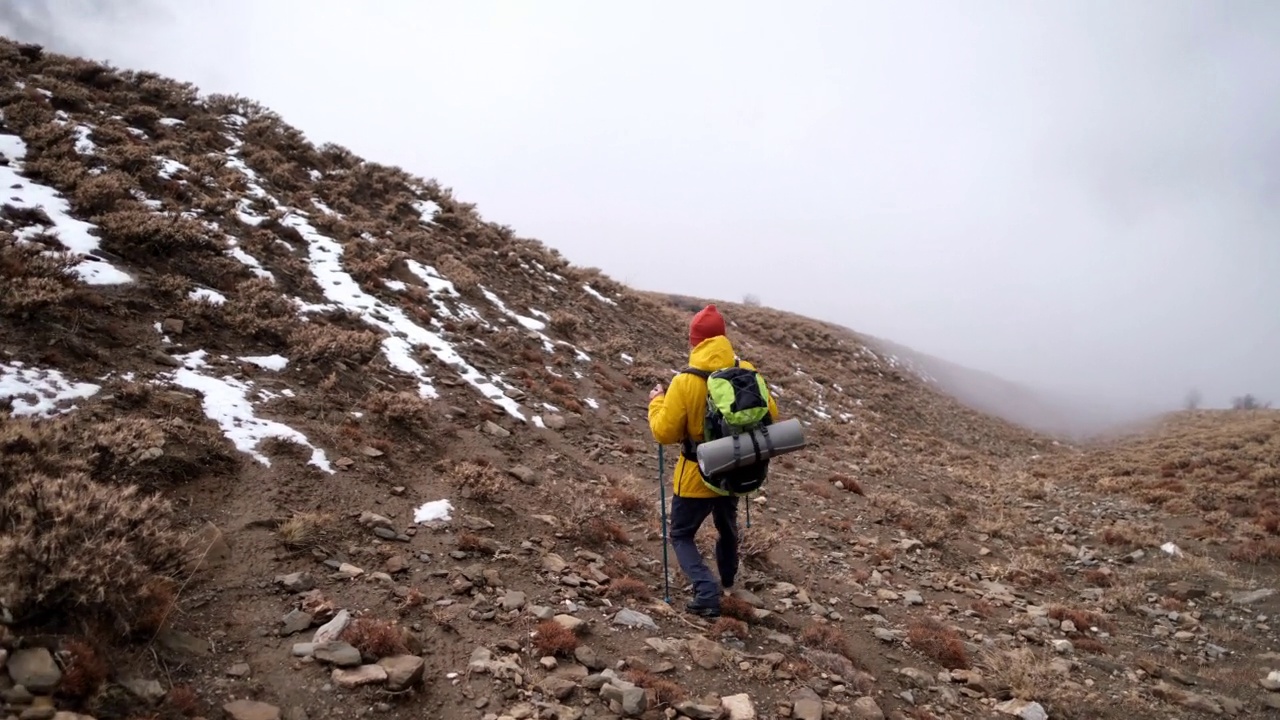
(731, 452)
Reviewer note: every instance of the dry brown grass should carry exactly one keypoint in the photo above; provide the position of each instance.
(848, 484)
(319, 341)
(982, 608)
(938, 641)
(404, 409)
(1082, 619)
(304, 530)
(626, 501)
(552, 638)
(376, 638)
(479, 481)
(737, 609)
(629, 587)
(598, 531)
(83, 669)
(1194, 462)
(660, 691)
(826, 637)
(1255, 551)
(730, 626)
(470, 542)
(76, 548)
(183, 700)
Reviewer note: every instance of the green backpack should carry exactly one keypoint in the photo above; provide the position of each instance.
(737, 403)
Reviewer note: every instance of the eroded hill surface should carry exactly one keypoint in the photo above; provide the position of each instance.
(290, 433)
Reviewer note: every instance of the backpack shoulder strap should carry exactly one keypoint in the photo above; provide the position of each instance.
(695, 371)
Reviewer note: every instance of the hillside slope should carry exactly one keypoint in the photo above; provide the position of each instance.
(293, 433)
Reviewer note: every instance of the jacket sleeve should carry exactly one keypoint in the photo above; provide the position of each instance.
(668, 414)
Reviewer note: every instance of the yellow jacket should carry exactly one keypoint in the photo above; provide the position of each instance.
(677, 414)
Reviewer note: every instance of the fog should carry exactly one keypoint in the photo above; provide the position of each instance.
(1081, 196)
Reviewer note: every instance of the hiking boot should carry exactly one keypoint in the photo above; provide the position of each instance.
(706, 611)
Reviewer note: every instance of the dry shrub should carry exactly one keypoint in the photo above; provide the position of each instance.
(1084, 643)
(823, 636)
(729, 626)
(661, 692)
(1098, 578)
(75, 548)
(479, 481)
(599, 531)
(154, 453)
(565, 323)
(982, 608)
(99, 194)
(1269, 522)
(756, 544)
(260, 311)
(83, 669)
(470, 542)
(817, 490)
(1255, 552)
(631, 588)
(627, 502)
(938, 641)
(304, 530)
(560, 387)
(183, 700)
(1082, 619)
(552, 638)
(34, 278)
(458, 273)
(404, 408)
(143, 235)
(847, 484)
(315, 341)
(376, 638)
(736, 608)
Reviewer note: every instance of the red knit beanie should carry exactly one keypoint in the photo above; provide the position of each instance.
(707, 323)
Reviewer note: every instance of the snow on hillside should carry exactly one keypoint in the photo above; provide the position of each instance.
(233, 403)
(50, 214)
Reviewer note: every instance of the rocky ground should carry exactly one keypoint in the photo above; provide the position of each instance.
(294, 434)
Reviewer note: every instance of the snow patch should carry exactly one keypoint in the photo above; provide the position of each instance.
(248, 260)
(40, 391)
(433, 511)
(270, 362)
(438, 286)
(209, 295)
(627, 358)
(593, 293)
(325, 259)
(170, 167)
(226, 402)
(396, 285)
(548, 273)
(427, 209)
(72, 233)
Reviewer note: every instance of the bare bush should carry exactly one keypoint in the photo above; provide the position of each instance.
(74, 547)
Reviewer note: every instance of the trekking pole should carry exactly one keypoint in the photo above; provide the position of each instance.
(662, 497)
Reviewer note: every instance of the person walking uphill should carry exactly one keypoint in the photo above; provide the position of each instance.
(676, 417)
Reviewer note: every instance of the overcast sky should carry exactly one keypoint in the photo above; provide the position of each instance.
(1080, 194)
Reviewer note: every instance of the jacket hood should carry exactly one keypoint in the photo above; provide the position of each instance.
(712, 354)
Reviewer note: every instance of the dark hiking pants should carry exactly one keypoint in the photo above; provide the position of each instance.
(687, 515)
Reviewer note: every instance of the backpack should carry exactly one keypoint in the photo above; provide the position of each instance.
(737, 403)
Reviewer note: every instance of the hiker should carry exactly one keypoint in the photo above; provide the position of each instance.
(676, 416)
